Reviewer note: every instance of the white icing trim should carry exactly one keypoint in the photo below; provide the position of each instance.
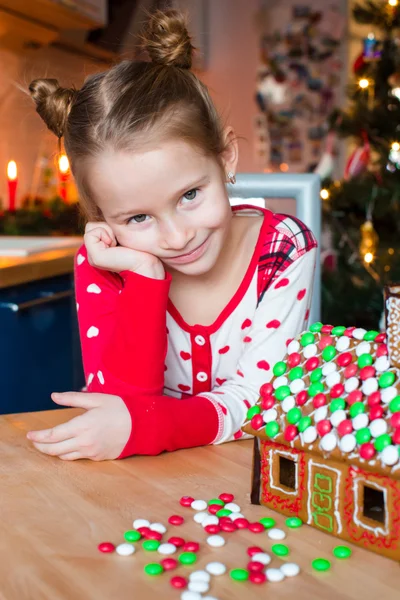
(336, 512)
(358, 509)
(295, 458)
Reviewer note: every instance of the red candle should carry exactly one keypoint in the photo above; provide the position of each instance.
(12, 173)
(63, 166)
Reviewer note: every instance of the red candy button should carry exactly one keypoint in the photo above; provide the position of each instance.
(312, 363)
(367, 451)
(326, 328)
(395, 420)
(325, 341)
(106, 547)
(344, 359)
(367, 372)
(212, 529)
(337, 390)
(253, 565)
(256, 527)
(294, 359)
(350, 371)
(265, 390)
(376, 412)
(267, 402)
(191, 547)
(176, 520)
(349, 331)
(380, 338)
(254, 550)
(382, 350)
(257, 422)
(229, 527)
(169, 563)
(241, 523)
(319, 400)
(324, 427)
(257, 577)
(345, 427)
(144, 531)
(290, 433)
(178, 582)
(225, 520)
(396, 436)
(301, 398)
(374, 399)
(176, 541)
(214, 508)
(354, 396)
(154, 535)
(186, 501)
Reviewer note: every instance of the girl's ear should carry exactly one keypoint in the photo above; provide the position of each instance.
(230, 155)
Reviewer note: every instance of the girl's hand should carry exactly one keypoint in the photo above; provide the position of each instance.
(103, 253)
(100, 433)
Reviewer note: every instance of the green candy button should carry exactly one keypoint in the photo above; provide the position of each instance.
(382, 441)
(279, 368)
(316, 375)
(282, 392)
(304, 423)
(239, 574)
(294, 522)
(316, 327)
(394, 405)
(368, 337)
(295, 373)
(254, 410)
(272, 429)
(341, 552)
(386, 379)
(329, 353)
(337, 404)
(363, 436)
(216, 501)
(315, 388)
(339, 330)
(294, 415)
(132, 535)
(357, 409)
(268, 522)
(224, 512)
(321, 564)
(280, 549)
(187, 558)
(151, 545)
(153, 569)
(307, 339)
(365, 360)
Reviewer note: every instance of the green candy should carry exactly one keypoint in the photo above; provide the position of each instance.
(394, 405)
(294, 415)
(216, 501)
(321, 564)
(386, 379)
(294, 522)
(187, 558)
(239, 574)
(272, 429)
(339, 330)
(253, 410)
(280, 549)
(315, 388)
(132, 535)
(329, 353)
(368, 337)
(316, 327)
(342, 551)
(337, 404)
(151, 545)
(268, 522)
(295, 373)
(365, 360)
(224, 512)
(316, 375)
(363, 436)
(382, 442)
(304, 423)
(307, 339)
(279, 368)
(357, 409)
(282, 392)
(153, 569)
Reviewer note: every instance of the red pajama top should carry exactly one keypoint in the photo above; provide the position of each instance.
(186, 385)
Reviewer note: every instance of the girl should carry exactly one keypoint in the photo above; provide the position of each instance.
(183, 302)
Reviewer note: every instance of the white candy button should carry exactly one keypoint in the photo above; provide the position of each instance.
(199, 576)
(282, 380)
(166, 548)
(297, 386)
(261, 557)
(390, 456)
(343, 343)
(290, 569)
(199, 505)
(235, 508)
(360, 421)
(363, 348)
(215, 541)
(337, 417)
(351, 384)
(200, 517)
(158, 527)
(309, 435)
(270, 415)
(310, 351)
(276, 534)
(198, 586)
(125, 549)
(274, 575)
(369, 386)
(288, 403)
(216, 568)
(359, 333)
(320, 414)
(382, 364)
(294, 346)
(209, 520)
(140, 523)
(235, 516)
(378, 427)
(328, 442)
(187, 595)
(332, 379)
(348, 443)
(387, 394)
(329, 368)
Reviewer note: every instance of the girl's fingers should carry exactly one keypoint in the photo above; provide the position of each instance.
(59, 448)
(76, 400)
(71, 456)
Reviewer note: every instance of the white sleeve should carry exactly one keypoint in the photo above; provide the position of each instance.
(281, 315)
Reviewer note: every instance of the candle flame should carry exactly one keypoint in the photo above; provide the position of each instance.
(63, 163)
(12, 170)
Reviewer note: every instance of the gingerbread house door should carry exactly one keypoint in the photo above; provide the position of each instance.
(323, 497)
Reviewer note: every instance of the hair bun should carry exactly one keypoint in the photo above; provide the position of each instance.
(167, 39)
(53, 103)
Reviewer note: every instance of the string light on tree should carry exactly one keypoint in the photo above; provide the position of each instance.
(324, 193)
(363, 83)
(393, 2)
(368, 258)
(394, 154)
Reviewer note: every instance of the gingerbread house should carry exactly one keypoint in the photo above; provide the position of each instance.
(327, 433)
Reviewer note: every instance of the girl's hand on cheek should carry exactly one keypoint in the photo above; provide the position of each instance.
(104, 253)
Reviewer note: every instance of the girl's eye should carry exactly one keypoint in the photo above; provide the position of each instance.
(191, 194)
(138, 219)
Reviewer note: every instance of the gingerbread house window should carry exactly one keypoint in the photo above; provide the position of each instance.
(287, 472)
(374, 504)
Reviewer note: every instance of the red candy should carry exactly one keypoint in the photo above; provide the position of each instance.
(186, 501)
(326, 328)
(367, 372)
(169, 563)
(290, 433)
(382, 350)
(214, 508)
(256, 527)
(344, 359)
(350, 371)
(225, 497)
(176, 541)
(337, 390)
(191, 547)
(267, 402)
(301, 398)
(144, 531)
(376, 412)
(345, 427)
(294, 359)
(106, 547)
(178, 582)
(395, 420)
(241, 523)
(212, 529)
(176, 520)
(257, 577)
(154, 535)
(225, 520)
(312, 363)
(255, 566)
(319, 400)
(349, 331)
(229, 526)
(254, 550)
(354, 396)
(266, 389)
(367, 451)
(380, 338)
(324, 427)
(257, 422)
(325, 341)
(396, 436)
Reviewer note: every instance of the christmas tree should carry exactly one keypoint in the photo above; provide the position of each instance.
(362, 211)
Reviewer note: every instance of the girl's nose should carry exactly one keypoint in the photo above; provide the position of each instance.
(176, 237)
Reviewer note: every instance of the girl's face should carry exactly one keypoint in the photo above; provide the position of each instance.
(169, 201)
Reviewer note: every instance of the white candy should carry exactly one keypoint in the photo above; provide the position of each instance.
(279, 381)
(382, 364)
(321, 413)
(137, 523)
(216, 568)
(294, 346)
(269, 415)
(274, 575)
(359, 333)
(310, 351)
(360, 421)
(200, 576)
(187, 595)
(328, 442)
(235, 516)
(297, 386)
(166, 548)
(125, 549)
(378, 427)
(235, 508)
(209, 520)
(288, 403)
(387, 394)
(216, 541)
(370, 385)
(337, 417)
(348, 443)
(328, 368)
(343, 343)
(158, 527)
(276, 534)
(261, 557)
(290, 569)
(332, 379)
(199, 505)
(200, 516)
(363, 348)
(198, 586)
(390, 456)
(351, 384)
(309, 435)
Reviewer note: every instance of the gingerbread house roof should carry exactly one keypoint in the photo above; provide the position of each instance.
(336, 394)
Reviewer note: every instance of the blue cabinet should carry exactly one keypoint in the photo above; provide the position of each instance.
(39, 344)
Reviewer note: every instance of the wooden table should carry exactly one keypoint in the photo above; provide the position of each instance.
(53, 514)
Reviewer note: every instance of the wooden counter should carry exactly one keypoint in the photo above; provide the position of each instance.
(53, 514)
(18, 270)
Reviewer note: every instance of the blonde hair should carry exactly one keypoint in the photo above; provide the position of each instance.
(132, 102)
